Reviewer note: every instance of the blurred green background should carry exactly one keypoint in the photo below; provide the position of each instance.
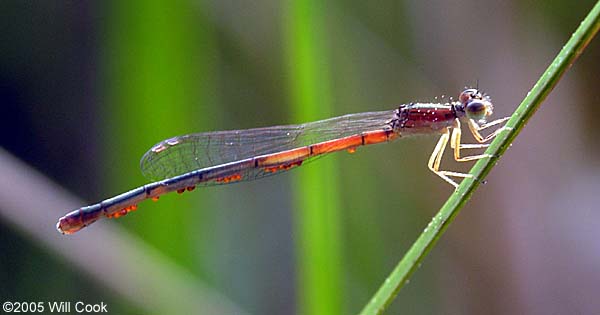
(87, 87)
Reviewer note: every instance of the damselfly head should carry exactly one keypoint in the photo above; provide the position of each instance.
(477, 106)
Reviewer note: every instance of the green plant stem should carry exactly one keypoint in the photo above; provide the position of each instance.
(565, 58)
(317, 219)
(158, 83)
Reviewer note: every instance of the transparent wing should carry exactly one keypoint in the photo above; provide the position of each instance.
(182, 154)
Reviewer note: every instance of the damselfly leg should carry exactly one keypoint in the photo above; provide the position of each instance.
(456, 145)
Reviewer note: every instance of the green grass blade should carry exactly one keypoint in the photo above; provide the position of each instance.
(565, 58)
(317, 199)
(158, 82)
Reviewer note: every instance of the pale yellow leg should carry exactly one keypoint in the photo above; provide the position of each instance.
(476, 128)
(436, 156)
(457, 146)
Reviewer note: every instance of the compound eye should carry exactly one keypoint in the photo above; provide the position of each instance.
(477, 109)
(469, 94)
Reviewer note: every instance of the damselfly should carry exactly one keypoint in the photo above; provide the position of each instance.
(223, 157)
